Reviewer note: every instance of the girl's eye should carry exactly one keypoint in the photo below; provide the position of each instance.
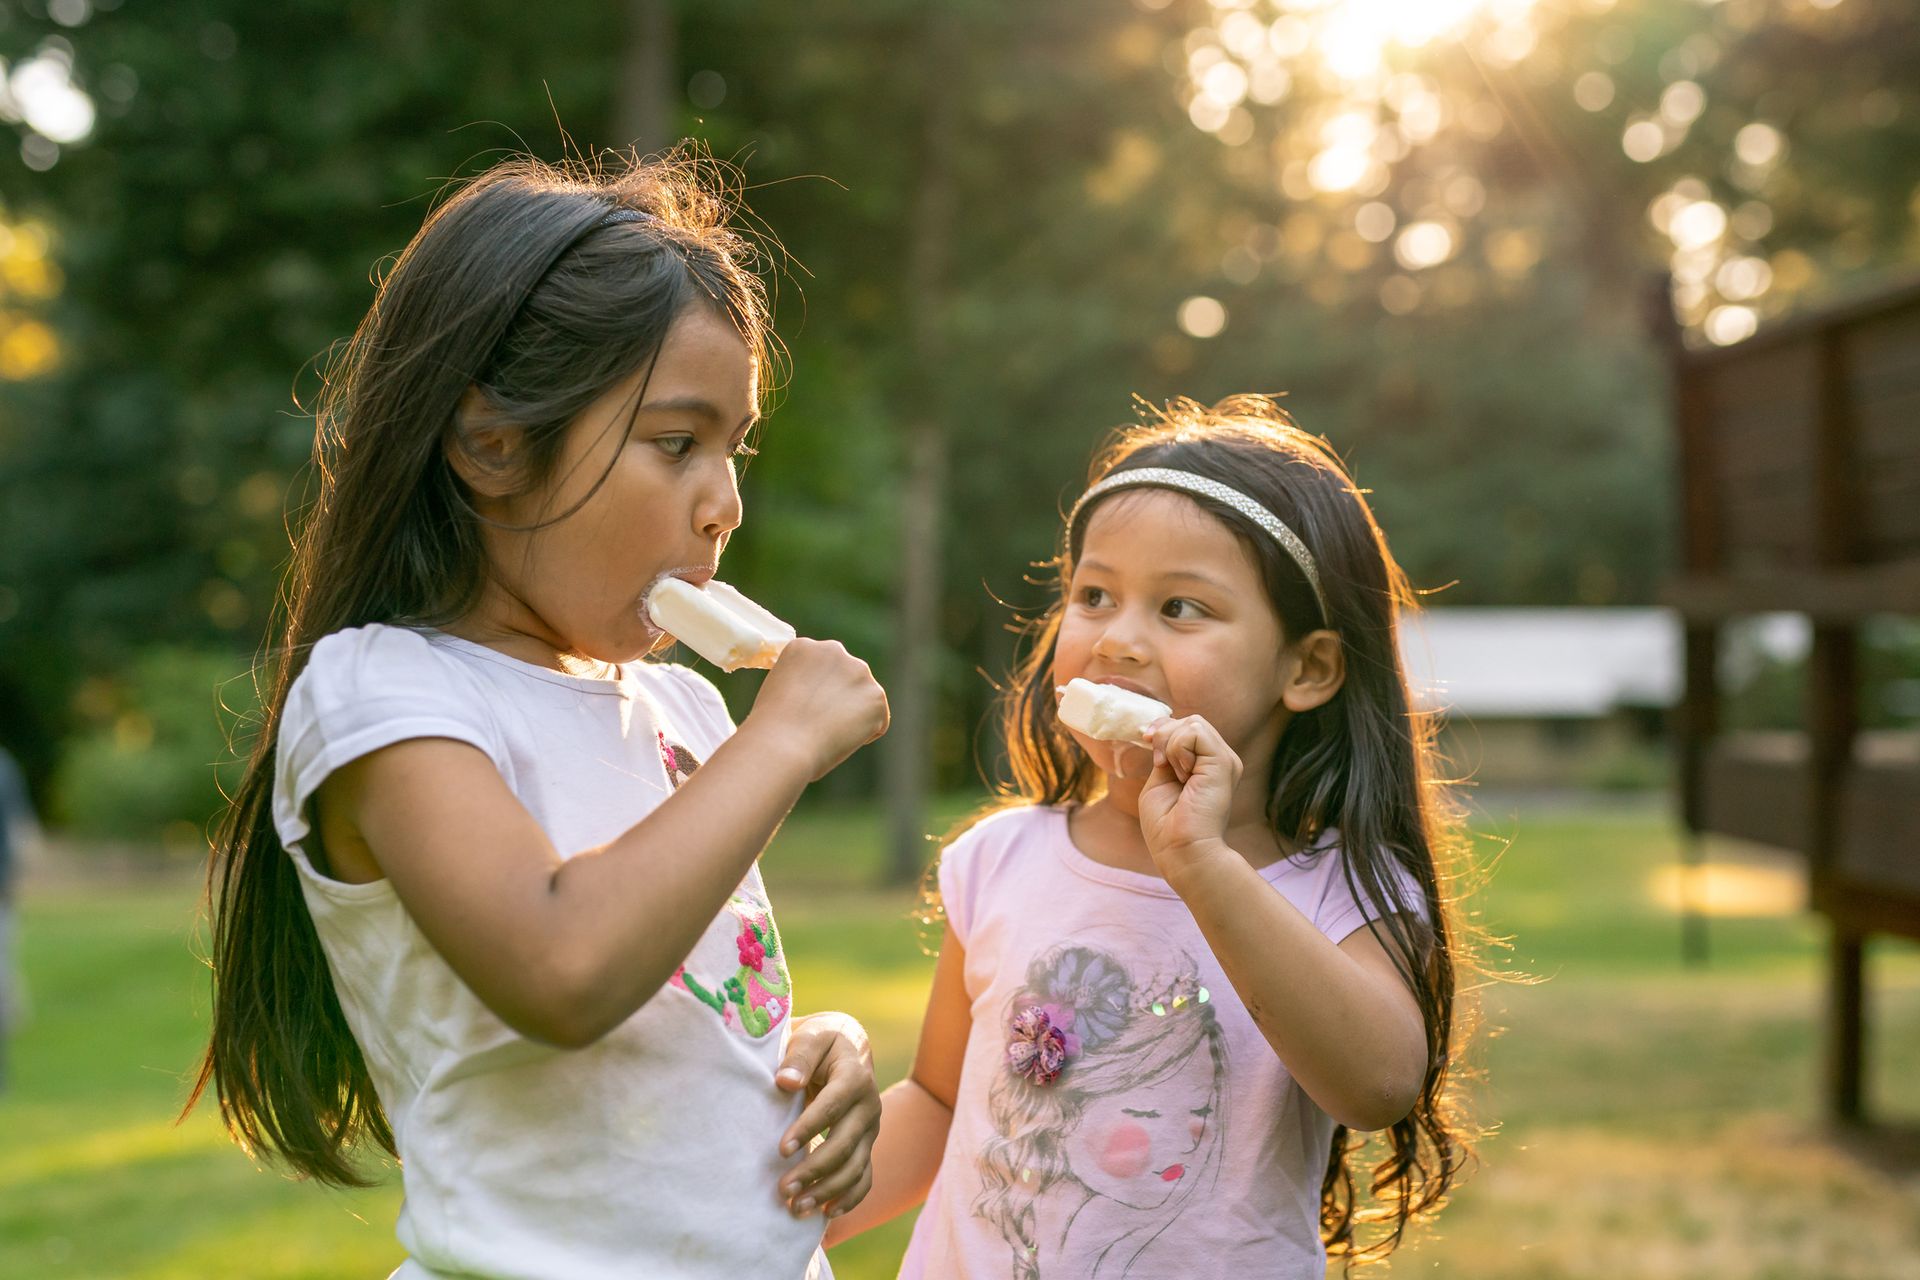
(1093, 596)
(1182, 610)
(675, 446)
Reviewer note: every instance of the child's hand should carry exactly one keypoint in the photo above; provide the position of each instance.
(823, 698)
(1186, 801)
(828, 1056)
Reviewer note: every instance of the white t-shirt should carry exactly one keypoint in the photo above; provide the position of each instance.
(1119, 1114)
(653, 1152)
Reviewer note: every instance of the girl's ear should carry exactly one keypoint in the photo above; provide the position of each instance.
(1320, 668)
(482, 447)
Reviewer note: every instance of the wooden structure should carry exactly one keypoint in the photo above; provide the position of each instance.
(1799, 457)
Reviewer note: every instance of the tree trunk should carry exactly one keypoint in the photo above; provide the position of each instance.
(914, 689)
(644, 112)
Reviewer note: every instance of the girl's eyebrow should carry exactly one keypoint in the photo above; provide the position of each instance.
(696, 406)
(1191, 575)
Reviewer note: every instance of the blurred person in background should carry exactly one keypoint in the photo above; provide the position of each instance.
(18, 830)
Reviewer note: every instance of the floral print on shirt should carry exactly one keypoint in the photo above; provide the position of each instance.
(758, 994)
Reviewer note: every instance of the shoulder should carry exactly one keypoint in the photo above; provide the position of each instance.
(363, 677)
(363, 689)
(1000, 829)
(376, 657)
(1340, 891)
(985, 854)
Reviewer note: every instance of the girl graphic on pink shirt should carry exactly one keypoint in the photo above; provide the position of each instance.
(1096, 1169)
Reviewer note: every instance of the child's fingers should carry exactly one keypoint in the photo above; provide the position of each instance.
(804, 1129)
(831, 1107)
(846, 1106)
(851, 1200)
(836, 1185)
(835, 1182)
(1181, 757)
(806, 1179)
(805, 1052)
(1182, 747)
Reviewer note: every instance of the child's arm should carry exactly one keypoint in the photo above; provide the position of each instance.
(564, 950)
(1340, 1017)
(916, 1113)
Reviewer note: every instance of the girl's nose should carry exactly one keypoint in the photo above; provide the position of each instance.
(1119, 640)
(718, 511)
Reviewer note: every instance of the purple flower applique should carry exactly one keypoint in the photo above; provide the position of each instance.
(1041, 1042)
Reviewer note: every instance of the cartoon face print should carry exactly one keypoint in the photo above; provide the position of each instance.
(1107, 1109)
(1134, 1147)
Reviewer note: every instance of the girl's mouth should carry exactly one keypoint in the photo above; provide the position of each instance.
(1131, 686)
(1172, 1173)
(698, 575)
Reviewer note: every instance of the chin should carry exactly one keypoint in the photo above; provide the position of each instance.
(625, 647)
(651, 641)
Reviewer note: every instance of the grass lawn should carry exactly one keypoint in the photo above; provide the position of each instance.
(1653, 1120)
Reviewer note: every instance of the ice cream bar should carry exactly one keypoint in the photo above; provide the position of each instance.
(1109, 712)
(718, 623)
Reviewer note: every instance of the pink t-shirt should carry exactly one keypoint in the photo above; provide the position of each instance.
(1119, 1113)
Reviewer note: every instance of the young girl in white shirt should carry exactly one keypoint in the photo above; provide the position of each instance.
(488, 895)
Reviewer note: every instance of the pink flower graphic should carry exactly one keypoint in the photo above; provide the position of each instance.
(1061, 1016)
(1039, 1047)
(752, 950)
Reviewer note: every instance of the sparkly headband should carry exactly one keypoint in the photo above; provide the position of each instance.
(1187, 482)
(624, 214)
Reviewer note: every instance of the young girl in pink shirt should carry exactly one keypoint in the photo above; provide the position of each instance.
(1180, 979)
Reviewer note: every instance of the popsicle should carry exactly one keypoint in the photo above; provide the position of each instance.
(718, 623)
(1109, 712)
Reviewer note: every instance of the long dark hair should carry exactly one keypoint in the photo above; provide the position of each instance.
(521, 285)
(1364, 762)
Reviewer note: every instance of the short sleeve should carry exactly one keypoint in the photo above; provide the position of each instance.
(956, 875)
(1339, 911)
(361, 690)
(975, 857)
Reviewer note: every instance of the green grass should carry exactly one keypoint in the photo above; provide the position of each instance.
(1653, 1120)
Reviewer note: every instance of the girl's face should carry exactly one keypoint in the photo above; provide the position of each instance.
(667, 504)
(1165, 600)
(1136, 1146)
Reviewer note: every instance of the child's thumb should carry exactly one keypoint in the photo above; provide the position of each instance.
(802, 1060)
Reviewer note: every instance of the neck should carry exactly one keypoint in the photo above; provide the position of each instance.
(503, 622)
(1111, 824)
(1112, 828)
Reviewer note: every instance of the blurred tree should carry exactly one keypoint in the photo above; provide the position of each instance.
(1428, 223)
(247, 166)
(1473, 194)
(647, 115)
